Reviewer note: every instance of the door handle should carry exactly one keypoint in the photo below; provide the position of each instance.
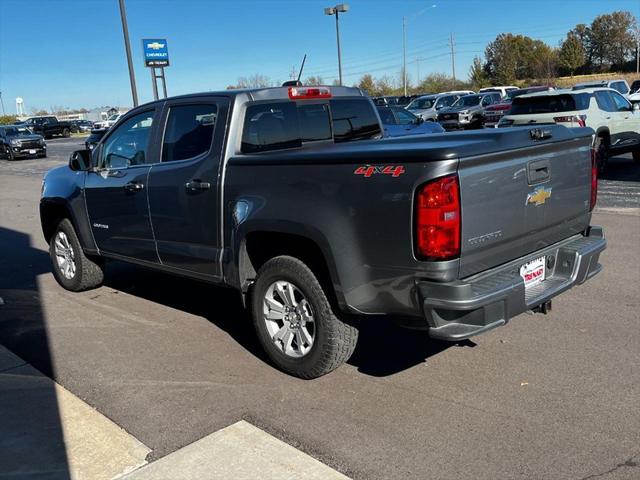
(133, 186)
(194, 185)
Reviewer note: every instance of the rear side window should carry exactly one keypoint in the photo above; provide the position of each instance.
(189, 131)
(353, 120)
(620, 87)
(549, 104)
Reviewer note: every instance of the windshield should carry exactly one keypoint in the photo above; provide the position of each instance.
(468, 101)
(16, 131)
(113, 117)
(421, 104)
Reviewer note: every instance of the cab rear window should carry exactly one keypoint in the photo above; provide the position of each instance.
(549, 104)
(281, 125)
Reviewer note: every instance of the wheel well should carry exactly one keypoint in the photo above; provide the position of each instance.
(259, 247)
(51, 214)
(604, 134)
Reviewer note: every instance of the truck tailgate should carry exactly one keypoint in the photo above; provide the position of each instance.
(519, 201)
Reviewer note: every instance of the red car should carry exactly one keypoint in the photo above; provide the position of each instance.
(493, 113)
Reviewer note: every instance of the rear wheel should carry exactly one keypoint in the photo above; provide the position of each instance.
(71, 267)
(602, 153)
(294, 320)
(9, 155)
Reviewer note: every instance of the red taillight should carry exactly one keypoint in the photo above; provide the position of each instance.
(438, 219)
(301, 93)
(594, 179)
(580, 120)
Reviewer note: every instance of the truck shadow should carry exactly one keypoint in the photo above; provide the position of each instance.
(383, 348)
(622, 169)
(31, 434)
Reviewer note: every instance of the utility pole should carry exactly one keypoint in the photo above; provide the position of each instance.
(127, 46)
(2, 103)
(418, 60)
(453, 55)
(404, 54)
(638, 49)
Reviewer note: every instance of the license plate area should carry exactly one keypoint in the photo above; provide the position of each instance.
(32, 152)
(534, 272)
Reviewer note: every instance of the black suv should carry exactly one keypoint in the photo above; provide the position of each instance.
(17, 141)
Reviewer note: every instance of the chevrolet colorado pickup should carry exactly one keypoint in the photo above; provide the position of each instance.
(292, 197)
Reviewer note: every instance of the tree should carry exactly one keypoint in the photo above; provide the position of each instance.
(314, 80)
(384, 86)
(477, 75)
(572, 54)
(504, 59)
(8, 119)
(367, 84)
(542, 61)
(611, 38)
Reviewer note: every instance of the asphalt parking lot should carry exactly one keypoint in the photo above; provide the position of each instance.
(171, 360)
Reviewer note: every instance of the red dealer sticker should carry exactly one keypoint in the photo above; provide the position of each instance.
(369, 170)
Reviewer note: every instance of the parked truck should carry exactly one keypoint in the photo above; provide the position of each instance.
(48, 126)
(292, 197)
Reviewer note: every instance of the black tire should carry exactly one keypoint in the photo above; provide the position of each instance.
(9, 154)
(87, 275)
(602, 154)
(66, 133)
(333, 340)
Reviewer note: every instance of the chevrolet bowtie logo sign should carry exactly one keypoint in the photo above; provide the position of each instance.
(156, 53)
(155, 45)
(539, 196)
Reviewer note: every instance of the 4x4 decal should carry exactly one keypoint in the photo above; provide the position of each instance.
(369, 170)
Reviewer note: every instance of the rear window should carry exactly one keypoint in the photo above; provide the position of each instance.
(549, 104)
(276, 126)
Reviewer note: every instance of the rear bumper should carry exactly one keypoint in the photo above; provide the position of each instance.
(464, 308)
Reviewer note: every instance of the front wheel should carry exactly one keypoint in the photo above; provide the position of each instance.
(66, 133)
(295, 323)
(72, 269)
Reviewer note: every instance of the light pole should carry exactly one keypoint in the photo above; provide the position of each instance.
(341, 8)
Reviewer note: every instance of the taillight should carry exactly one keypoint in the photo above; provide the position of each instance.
(594, 179)
(580, 120)
(438, 219)
(302, 93)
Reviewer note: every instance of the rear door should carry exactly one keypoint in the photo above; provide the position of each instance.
(183, 186)
(520, 200)
(116, 194)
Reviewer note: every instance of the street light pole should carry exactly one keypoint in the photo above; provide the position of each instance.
(127, 46)
(404, 54)
(341, 8)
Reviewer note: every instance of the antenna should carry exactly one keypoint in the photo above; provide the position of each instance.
(302, 67)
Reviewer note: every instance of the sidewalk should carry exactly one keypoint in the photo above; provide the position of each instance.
(46, 432)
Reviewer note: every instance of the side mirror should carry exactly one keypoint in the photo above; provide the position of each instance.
(420, 120)
(635, 107)
(80, 160)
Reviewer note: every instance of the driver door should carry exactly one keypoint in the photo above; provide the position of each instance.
(116, 192)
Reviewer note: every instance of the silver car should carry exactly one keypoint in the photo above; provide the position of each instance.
(427, 106)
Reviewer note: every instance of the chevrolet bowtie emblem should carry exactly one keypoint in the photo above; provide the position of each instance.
(155, 45)
(539, 196)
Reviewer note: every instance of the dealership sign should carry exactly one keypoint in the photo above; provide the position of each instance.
(156, 53)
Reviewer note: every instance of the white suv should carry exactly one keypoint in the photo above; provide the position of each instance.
(615, 121)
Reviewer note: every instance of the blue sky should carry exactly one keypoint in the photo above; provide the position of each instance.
(71, 52)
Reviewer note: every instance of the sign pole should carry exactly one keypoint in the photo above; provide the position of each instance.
(127, 46)
(153, 83)
(164, 82)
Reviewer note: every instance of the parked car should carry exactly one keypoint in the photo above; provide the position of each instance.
(94, 137)
(17, 141)
(493, 113)
(468, 111)
(620, 85)
(109, 122)
(398, 122)
(503, 90)
(291, 197)
(81, 126)
(427, 107)
(635, 87)
(48, 126)
(613, 118)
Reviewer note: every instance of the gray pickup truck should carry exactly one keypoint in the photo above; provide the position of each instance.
(292, 197)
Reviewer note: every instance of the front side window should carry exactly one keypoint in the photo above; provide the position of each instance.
(128, 144)
(189, 131)
(404, 117)
(620, 102)
(386, 115)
